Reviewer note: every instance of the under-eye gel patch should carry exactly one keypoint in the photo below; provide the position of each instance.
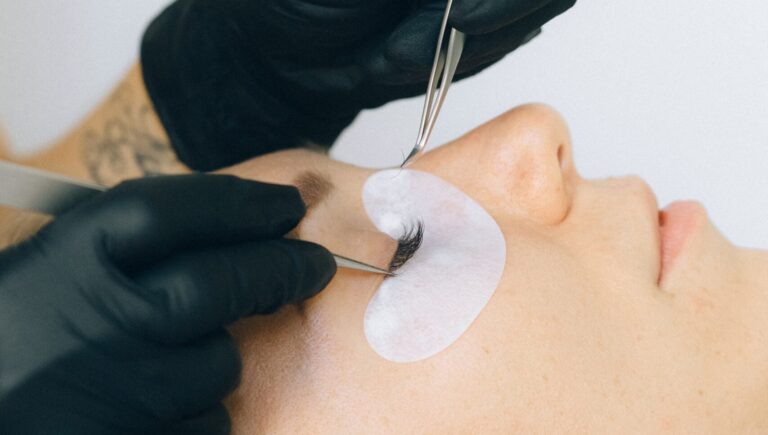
(441, 290)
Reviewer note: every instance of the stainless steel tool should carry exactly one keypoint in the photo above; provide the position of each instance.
(450, 45)
(44, 192)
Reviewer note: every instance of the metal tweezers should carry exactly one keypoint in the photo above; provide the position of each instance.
(44, 192)
(450, 45)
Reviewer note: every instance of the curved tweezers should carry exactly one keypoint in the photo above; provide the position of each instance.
(447, 58)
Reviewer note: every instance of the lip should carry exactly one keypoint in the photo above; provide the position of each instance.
(677, 222)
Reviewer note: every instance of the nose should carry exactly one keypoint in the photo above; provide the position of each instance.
(519, 164)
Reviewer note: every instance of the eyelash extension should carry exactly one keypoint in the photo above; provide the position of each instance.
(407, 245)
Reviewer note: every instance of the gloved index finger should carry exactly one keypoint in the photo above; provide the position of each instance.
(142, 221)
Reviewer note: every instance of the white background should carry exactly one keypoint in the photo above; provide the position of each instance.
(675, 91)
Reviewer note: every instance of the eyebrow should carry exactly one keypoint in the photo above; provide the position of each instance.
(314, 187)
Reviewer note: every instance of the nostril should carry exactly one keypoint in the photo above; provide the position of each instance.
(561, 156)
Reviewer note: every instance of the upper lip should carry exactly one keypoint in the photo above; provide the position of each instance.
(656, 237)
(653, 219)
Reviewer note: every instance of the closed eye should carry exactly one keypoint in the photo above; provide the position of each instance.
(407, 245)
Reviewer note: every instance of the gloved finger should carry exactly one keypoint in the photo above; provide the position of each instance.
(197, 292)
(142, 221)
(353, 21)
(385, 92)
(477, 17)
(173, 383)
(479, 49)
(411, 46)
(214, 421)
(481, 57)
(414, 84)
(480, 66)
(407, 83)
(409, 52)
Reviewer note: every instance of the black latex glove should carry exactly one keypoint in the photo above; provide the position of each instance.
(112, 317)
(232, 79)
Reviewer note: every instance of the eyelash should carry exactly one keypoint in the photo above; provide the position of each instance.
(407, 245)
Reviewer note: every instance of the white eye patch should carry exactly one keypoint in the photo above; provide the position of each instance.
(442, 289)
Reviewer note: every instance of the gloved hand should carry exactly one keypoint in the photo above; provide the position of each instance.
(231, 79)
(112, 317)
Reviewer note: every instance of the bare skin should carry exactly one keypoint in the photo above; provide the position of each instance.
(581, 335)
(4, 144)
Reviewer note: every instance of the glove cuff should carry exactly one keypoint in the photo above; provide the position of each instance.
(218, 108)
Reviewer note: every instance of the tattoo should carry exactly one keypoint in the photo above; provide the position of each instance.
(125, 147)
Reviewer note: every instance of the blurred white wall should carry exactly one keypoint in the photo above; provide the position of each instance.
(58, 58)
(674, 91)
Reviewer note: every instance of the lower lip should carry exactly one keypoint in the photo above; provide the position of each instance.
(677, 222)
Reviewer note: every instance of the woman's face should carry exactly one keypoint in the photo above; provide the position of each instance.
(586, 331)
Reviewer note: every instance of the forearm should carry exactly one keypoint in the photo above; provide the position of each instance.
(16, 225)
(120, 139)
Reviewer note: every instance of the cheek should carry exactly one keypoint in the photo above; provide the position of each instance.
(554, 330)
(331, 317)
(545, 292)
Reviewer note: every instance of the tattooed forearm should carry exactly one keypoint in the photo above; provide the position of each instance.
(125, 144)
(121, 138)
